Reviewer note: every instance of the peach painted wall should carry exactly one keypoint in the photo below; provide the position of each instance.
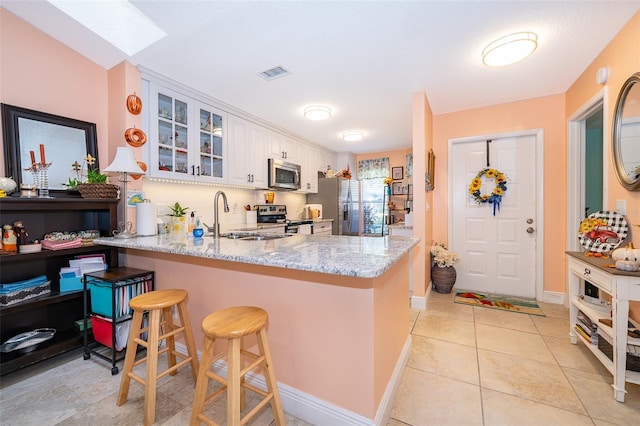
(322, 328)
(38, 72)
(622, 56)
(546, 113)
(422, 131)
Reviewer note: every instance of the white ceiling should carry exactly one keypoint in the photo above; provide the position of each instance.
(364, 59)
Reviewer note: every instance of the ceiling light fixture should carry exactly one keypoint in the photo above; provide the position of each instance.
(510, 49)
(117, 21)
(317, 112)
(352, 136)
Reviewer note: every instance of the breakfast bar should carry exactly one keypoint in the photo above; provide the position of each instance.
(337, 305)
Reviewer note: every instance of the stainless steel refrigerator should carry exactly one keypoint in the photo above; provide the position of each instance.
(340, 199)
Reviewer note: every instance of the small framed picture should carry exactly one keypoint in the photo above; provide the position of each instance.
(396, 173)
(396, 188)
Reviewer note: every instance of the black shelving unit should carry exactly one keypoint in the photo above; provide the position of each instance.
(121, 284)
(56, 309)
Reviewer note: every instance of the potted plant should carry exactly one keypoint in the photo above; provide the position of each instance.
(93, 184)
(443, 274)
(178, 219)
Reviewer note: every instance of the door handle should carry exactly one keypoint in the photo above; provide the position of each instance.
(529, 221)
(530, 230)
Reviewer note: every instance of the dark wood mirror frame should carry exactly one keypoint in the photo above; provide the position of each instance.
(13, 145)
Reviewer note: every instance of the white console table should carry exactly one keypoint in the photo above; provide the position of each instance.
(623, 287)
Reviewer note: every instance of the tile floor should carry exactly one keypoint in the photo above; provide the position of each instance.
(468, 366)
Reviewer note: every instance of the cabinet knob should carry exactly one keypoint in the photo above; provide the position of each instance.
(587, 271)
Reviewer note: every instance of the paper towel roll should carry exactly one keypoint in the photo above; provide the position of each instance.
(146, 223)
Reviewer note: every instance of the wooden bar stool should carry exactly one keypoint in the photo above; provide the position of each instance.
(233, 324)
(159, 304)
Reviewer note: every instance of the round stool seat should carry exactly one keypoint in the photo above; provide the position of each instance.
(158, 299)
(234, 322)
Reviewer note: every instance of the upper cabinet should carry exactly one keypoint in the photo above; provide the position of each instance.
(190, 139)
(187, 139)
(283, 148)
(247, 143)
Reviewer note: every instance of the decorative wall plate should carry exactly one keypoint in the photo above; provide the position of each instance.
(603, 231)
(134, 104)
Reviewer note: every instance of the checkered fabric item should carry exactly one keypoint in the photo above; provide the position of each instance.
(615, 223)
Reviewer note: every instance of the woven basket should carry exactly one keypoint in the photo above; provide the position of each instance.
(98, 190)
(633, 362)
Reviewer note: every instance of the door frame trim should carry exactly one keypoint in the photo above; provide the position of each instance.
(539, 198)
(576, 134)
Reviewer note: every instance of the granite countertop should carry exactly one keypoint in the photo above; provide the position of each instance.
(362, 257)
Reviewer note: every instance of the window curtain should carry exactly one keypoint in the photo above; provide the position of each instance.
(373, 168)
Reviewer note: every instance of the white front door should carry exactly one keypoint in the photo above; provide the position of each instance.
(497, 252)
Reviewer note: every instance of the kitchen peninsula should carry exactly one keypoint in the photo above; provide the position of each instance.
(338, 310)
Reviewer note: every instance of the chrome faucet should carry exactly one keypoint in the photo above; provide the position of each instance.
(216, 221)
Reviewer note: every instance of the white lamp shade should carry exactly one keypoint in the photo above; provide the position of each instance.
(124, 162)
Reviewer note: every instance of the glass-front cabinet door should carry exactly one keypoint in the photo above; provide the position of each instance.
(211, 150)
(187, 138)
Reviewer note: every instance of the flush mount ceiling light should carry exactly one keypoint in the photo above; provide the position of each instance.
(317, 112)
(509, 49)
(117, 21)
(352, 136)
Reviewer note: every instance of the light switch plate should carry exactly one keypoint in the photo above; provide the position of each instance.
(621, 207)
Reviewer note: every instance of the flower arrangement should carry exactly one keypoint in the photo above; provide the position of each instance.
(93, 175)
(388, 181)
(495, 197)
(441, 256)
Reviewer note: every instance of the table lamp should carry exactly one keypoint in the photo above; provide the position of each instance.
(125, 163)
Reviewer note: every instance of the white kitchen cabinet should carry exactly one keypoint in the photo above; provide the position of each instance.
(400, 231)
(283, 147)
(310, 157)
(622, 287)
(186, 137)
(247, 143)
(323, 228)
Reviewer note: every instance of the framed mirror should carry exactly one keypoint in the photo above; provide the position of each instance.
(626, 134)
(64, 140)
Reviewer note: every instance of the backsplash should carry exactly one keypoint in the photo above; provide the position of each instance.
(199, 198)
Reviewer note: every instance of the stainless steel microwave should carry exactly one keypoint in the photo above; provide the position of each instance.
(283, 175)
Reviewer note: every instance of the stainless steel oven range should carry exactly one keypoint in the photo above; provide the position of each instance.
(277, 213)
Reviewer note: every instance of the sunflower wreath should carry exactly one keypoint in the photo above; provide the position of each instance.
(495, 197)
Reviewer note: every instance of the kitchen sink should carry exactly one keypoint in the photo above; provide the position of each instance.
(252, 237)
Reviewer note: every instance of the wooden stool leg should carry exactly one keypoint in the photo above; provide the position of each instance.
(191, 346)
(202, 382)
(130, 357)
(152, 367)
(233, 383)
(243, 391)
(272, 384)
(167, 316)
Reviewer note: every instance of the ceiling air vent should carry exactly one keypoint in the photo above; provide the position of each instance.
(273, 73)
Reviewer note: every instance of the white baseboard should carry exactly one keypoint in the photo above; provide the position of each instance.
(553, 297)
(317, 411)
(418, 302)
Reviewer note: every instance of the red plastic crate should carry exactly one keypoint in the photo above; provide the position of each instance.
(102, 330)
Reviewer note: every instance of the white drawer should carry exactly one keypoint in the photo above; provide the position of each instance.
(323, 228)
(591, 273)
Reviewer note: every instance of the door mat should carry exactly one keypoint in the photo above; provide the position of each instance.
(494, 301)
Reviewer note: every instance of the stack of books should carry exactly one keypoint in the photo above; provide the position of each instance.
(584, 326)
